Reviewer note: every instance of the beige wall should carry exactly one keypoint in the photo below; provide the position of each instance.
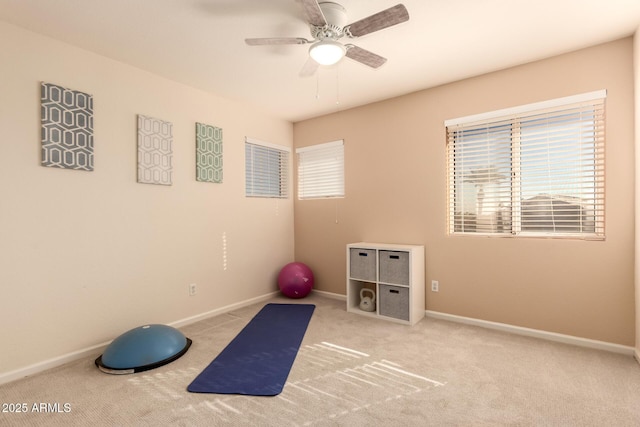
(636, 69)
(395, 193)
(87, 255)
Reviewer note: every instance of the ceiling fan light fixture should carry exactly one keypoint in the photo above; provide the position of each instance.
(327, 52)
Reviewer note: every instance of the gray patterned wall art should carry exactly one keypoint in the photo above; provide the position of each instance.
(155, 139)
(208, 153)
(67, 128)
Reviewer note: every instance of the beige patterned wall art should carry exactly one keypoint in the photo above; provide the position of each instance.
(155, 139)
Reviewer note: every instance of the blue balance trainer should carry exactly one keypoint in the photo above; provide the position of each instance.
(143, 348)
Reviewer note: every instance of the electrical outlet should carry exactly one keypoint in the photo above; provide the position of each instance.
(435, 286)
(192, 289)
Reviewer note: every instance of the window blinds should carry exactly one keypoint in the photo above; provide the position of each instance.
(538, 171)
(266, 170)
(321, 170)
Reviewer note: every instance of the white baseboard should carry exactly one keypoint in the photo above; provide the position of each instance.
(50, 363)
(331, 295)
(99, 348)
(221, 310)
(536, 333)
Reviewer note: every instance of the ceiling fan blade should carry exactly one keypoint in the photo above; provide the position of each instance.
(309, 68)
(312, 13)
(387, 18)
(364, 56)
(276, 41)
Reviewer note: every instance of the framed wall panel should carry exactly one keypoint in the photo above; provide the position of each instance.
(67, 127)
(155, 139)
(208, 153)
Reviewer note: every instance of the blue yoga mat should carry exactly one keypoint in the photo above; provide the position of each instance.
(258, 360)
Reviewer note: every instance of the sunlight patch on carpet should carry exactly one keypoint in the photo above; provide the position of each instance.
(327, 381)
(162, 385)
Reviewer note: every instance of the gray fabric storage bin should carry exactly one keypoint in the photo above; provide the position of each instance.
(394, 267)
(393, 301)
(362, 264)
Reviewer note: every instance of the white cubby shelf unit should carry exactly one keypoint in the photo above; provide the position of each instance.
(395, 273)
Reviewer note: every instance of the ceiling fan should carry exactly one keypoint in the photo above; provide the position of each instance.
(328, 22)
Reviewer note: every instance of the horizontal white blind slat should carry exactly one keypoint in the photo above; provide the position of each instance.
(589, 97)
(322, 146)
(266, 144)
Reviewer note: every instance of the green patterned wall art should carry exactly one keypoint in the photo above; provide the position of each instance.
(208, 153)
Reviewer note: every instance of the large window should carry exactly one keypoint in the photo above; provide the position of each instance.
(321, 170)
(266, 169)
(535, 170)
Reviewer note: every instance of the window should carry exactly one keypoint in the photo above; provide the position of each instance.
(266, 169)
(321, 170)
(535, 170)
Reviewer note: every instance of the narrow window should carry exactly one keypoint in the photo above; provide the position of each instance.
(321, 170)
(266, 169)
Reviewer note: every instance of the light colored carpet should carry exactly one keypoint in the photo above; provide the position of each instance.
(354, 371)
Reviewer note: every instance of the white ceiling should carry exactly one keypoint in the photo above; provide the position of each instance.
(201, 43)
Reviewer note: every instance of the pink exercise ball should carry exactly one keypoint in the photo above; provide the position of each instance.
(295, 280)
